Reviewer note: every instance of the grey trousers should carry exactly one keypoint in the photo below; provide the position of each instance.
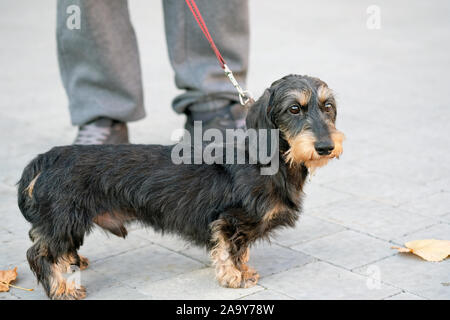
(99, 62)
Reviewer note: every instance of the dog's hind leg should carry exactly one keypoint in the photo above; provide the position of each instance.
(49, 263)
(230, 254)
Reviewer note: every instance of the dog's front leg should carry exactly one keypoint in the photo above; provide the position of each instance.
(230, 254)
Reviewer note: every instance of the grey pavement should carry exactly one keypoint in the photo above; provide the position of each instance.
(391, 185)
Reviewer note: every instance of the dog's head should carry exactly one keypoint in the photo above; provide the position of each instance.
(303, 108)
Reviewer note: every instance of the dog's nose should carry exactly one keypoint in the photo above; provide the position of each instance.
(324, 148)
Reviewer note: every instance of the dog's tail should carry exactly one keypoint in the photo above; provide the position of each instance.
(28, 180)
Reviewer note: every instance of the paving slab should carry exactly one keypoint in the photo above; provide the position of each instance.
(376, 219)
(419, 277)
(441, 185)
(357, 149)
(439, 231)
(199, 284)
(266, 295)
(12, 218)
(175, 243)
(401, 165)
(318, 195)
(145, 265)
(382, 188)
(320, 280)
(100, 244)
(348, 249)
(100, 286)
(269, 259)
(435, 205)
(445, 217)
(7, 296)
(307, 228)
(404, 296)
(12, 249)
(336, 170)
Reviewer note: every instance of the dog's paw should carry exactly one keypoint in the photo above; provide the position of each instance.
(246, 277)
(70, 293)
(76, 294)
(84, 262)
(249, 278)
(231, 281)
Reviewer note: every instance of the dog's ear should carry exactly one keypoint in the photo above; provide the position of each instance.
(260, 113)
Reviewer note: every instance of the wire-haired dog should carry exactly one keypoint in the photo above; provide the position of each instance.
(63, 193)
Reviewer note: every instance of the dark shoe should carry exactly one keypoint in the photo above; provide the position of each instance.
(102, 131)
(231, 117)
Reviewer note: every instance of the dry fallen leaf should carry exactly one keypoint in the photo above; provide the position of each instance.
(428, 249)
(6, 277)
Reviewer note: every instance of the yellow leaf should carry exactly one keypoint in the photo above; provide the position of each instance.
(428, 249)
(6, 277)
(400, 249)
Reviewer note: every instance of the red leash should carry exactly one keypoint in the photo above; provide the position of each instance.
(244, 95)
(198, 17)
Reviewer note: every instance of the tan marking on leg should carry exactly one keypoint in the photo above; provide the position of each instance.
(250, 276)
(84, 262)
(273, 212)
(60, 288)
(30, 187)
(226, 272)
(246, 256)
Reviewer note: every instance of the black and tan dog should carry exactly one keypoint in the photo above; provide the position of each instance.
(66, 191)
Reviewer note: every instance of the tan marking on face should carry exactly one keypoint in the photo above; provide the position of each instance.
(30, 187)
(302, 150)
(303, 96)
(338, 139)
(324, 93)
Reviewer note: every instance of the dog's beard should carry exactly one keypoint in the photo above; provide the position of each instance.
(302, 150)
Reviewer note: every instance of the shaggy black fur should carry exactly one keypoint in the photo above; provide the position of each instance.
(110, 185)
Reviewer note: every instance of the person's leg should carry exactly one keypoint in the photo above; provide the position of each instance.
(99, 62)
(208, 92)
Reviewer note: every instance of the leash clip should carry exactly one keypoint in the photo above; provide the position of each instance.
(245, 96)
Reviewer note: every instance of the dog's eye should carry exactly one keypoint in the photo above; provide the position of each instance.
(295, 108)
(328, 105)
